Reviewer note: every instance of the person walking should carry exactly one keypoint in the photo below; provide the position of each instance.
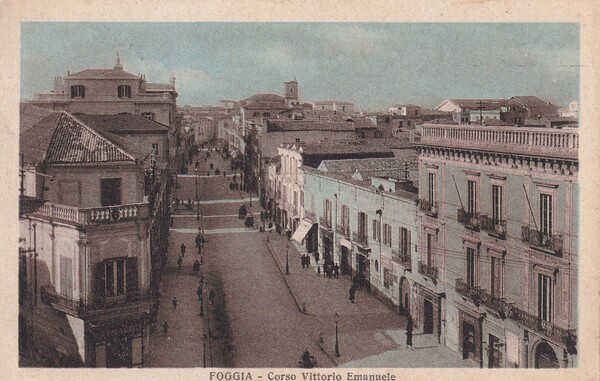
(211, 297)
(307, 260)
(302, 261)
(336, 271)
(352, 293)
(174, 302)
(318, 270)
(180, 261)
(317, 257)
(183, 248)
(409, 331)
(165, 328)
(199, 292)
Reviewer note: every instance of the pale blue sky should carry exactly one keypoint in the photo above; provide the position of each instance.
(374, 65)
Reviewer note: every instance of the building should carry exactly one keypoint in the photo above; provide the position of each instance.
(498, 227)
(570, 112)
(363, 214)
(338, 106)
(285, 189)
(89, 232)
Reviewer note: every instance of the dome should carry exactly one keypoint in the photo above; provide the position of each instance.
(265, 98)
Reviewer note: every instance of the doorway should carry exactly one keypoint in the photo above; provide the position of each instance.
(468, 342)
(404, 293)
(118, 352)
(545, 356)
(346, 268)
(427, 316)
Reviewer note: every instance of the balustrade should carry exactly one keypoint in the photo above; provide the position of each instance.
(403, 259)
(428, 207)
(469, 220)
(343, 230)
(360, 238)
(537, 239)
(87, 216)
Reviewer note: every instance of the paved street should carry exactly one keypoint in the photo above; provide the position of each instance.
(262, 317)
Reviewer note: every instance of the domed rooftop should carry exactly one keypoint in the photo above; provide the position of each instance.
(265, 98)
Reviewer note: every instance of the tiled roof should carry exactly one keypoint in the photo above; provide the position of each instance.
(305, 125)
(342, 147)
(488, 104)
(122, 123)
(31, 115)
(332, 102)
(362, 123)
(159, 87)
(102, 74)
(63, 139)
(382, 167)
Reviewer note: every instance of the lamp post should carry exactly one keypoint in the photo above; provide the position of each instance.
(204, 350)
(337, 344)
(197, 203)
(202, 298)
(287, 259)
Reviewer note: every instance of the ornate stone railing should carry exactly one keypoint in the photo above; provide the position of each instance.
(525, 140)
(496, 228)
(428, 207)
(89, 216)
(468, 220)
(343, 230)
(402, 259)
(360, 238)
(429, 271)
(537, 239)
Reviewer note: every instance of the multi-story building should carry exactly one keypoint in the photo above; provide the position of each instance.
(342, 107)
(89, 229)
(363, 214)
(498, 232)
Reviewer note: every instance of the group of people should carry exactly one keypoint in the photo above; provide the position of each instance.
(305, 261)
(330, 270)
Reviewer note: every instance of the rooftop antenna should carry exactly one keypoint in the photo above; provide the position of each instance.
(479, 107)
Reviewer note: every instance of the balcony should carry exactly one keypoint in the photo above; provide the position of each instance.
(541, 326)
(93, 216)
(325, 223)
(480, 296)
(81, 308)
(402, 259)
(428, 207)
(343, 230)
(311, 216)
(495, 228)
(468, 220)
(361, 238)
(429, 271)
(551, 244)
(522, 140)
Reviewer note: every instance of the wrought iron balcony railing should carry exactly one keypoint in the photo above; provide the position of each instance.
(324, 222)
(544, 327)
(429, 271)
(361, 238)
(403, 259)
(468, 220)
(343, 230)
(480, 296)
(537, 239)
(493, 227)
(80, 307)
(428, 207)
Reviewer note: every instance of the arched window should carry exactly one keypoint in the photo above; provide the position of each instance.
(78, 91)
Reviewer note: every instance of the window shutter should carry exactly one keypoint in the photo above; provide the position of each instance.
(131, 268)
(408, 244)
(100, 280)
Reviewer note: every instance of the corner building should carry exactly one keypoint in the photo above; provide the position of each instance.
(498, 232)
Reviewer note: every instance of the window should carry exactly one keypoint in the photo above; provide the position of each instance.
(66, 277)
(429, 250)
(404, 243)
(302, 199)
(401, 124)
(120, 277)
(155, 148)
(296, 202)
(545, 297)
(149, 115)
(471, 197)
(497, 203)
(362, 225)
(266, 114)
(431, 188)
(387, 277)
(297, 140)
(256, 115)
(387, 234)
(327, 211)
(345, 216)
(110, 192)
(376, 230)
(496, 270)
(546, 214)
(77, 91)
(471, 267)
(124, 91)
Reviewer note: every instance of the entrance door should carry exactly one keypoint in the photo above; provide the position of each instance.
(118, 352)
(494, 352)
(545, 356)
(468, 342)
(404, 297)
(427, 317)
(346, 269)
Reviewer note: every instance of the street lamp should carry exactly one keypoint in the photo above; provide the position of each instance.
(204, 350)
(287, 259)
(337, 344)
(197, 203)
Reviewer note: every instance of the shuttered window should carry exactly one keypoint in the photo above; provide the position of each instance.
(66, 277)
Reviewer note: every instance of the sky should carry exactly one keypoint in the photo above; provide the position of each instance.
(374, 65)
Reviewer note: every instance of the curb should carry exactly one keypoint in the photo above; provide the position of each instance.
(272, 251)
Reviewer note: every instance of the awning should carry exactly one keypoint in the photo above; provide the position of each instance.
(302, 231)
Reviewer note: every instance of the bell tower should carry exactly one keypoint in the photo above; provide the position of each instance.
(291, 92)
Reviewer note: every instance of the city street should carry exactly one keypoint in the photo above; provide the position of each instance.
(261, 317)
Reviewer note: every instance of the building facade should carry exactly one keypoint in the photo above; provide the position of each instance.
(498, 232)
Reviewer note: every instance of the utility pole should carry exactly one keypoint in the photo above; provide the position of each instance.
(480, 104)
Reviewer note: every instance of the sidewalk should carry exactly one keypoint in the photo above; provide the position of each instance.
(319, 295)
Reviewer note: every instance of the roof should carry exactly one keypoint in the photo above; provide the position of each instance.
(362, 122)
(266, 105)
(265, 98)
(63, 139)
(102, 74)
(122, 123)
(159, 87)
(488, 104)
(405, 105)
(342, 147)
(307, 125)
(332, 102)
(536, 105)
(430, 112)
(31, 115)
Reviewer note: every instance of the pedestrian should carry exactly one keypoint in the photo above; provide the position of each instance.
(165, 327)
(352, 293)
(196, 267)
(409, 331)
(336, 270)
(211, 297)
(174, 302)
(318, 270)
(317, 257)
(180, 261)
(307, 260)
(199, 292)
(183, 249)
(302, 261)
